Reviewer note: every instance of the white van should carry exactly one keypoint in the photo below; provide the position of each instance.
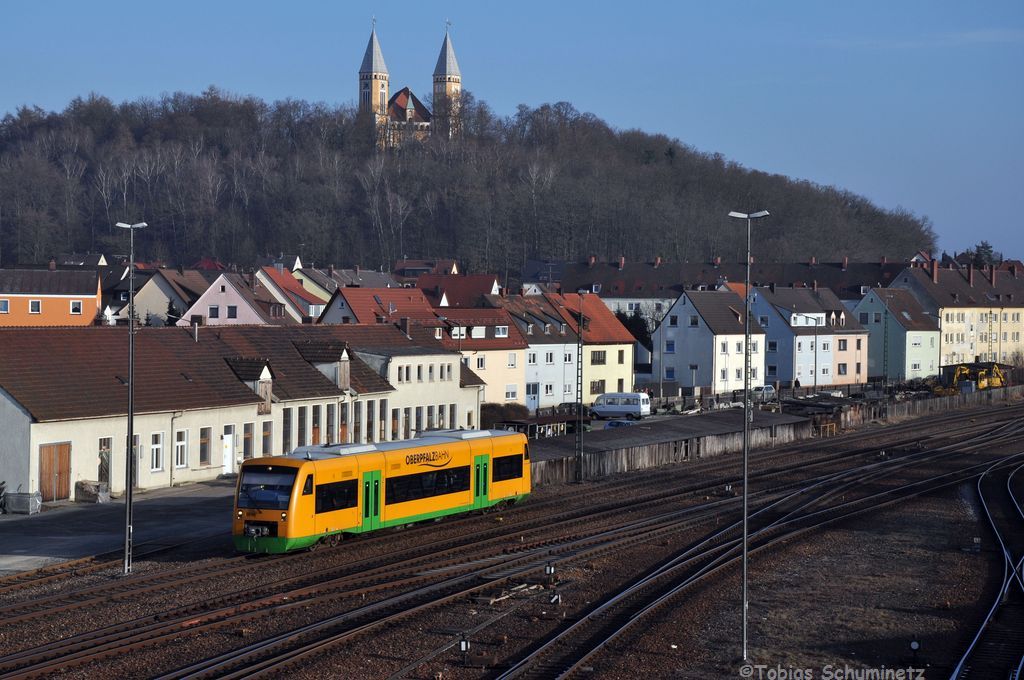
(621, 405)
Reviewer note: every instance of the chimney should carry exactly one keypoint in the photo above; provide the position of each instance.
(813, 261)
(403, 325)
(846, 262)
(884, 259)
(330, 270)
(356, 268)
(344, 370)
(814, 285)
(53, 265)
(992, 274)
(935, 271)
(279, 266)
(252, 280)
(717, 261)
(1013, 270)
(657, 261)
(592, 260)
(970, 275)
(622, 262)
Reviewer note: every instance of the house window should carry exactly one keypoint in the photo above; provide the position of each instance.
(670, 346)
(825, 346)
(35, 306)
(673, 320)
(332, 421)
(824, 370)
(622, 356)
(357, 423)
(204, 445)
(916, 366)
(597, 386)
(724, 374)
(511, 392)
(430, 372)
(878, 317)
(419, 373)
(532, 389)
(371, 407)
(598, 357)
(915, 341)
(670, 373)
(76, 307)
(531, 358)
(842, 345)
(753, 372)
(858, 368)
(214, 312)
(529, 329)
(739, 348)
(799, 347)
(725, 348)
(693, 321)
(180, 448)
(568, 357)
(302, 425)
(481, 363)
(156, 451)
(773, 370)
(858, 347)
(549, 358)
(842, 369)
(478, 331)
(773, 346)
(268, 437)
(549, 389)
(567, 388)
(739, 374)
(511, 359)
(864, 317)
(5, 306)
(247, 432)
(232, 311)
(286, 430)
(501, 331)
(763, 320)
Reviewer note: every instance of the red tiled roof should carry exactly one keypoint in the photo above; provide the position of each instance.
(462, 290)
(400, 101)
(600, 325)
(387, 305)
(287, 282)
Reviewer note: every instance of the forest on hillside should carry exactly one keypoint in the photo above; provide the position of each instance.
(237, 178)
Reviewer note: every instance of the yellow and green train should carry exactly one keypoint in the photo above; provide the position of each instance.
(316, 494)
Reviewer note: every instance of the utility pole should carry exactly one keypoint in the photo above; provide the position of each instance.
(579, 395)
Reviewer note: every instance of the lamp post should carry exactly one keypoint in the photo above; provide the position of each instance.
(129, 453)
(747, 413)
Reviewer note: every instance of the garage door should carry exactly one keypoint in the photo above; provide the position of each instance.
(55, 471)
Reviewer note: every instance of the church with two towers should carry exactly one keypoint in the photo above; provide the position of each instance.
(403, 116)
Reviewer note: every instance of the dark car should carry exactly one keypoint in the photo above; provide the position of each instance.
(619, 423)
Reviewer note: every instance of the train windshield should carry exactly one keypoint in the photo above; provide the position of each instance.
(266, 487)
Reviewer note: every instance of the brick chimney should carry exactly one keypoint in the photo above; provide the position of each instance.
(813, 261)
(935, 271)
(330, 270)
(592, 260)
(992, 274)
(622, 262)
(717, 261)
(52, 266)
(657, 261)
(403, 325)
(1013, 270)
(846, 262)
(884, 259)
(970, 275)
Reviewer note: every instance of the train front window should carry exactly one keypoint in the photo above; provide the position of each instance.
(266, 487)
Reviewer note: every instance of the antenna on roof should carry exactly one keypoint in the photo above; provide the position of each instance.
(373, 23)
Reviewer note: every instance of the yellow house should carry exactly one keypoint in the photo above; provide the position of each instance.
(492, 346)
(980, 312)
(607, 345)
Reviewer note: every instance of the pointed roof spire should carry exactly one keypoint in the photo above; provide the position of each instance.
(373, 60)
(409, 104)
(446, 63)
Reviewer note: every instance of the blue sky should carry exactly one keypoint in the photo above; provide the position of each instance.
(915, 104)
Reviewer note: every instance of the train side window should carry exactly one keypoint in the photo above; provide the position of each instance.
(337, 496)
(506, 467)
(307, 488)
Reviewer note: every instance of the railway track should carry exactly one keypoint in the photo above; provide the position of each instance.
(333, 582)
(997, 649)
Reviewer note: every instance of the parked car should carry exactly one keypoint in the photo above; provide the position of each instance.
(621, 405)
(618, 423)
(764, 393)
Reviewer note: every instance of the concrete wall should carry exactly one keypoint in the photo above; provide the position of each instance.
(614, 461)
(15, 423)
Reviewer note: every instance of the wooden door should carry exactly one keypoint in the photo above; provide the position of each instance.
(55, 471)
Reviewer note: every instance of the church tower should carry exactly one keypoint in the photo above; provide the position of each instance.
(447, 88)
(373, 80)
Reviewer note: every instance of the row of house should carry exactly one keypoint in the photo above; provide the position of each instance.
(208, 398)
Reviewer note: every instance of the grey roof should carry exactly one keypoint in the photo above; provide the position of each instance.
(905, 308)
(446, 63)
(799, 300)
(373, 60)
(47, 281)
(722, 311)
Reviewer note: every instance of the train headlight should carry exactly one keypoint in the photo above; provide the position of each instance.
(284, 516)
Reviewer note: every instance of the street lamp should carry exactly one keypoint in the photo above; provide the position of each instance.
(747, 413)
(129, 454)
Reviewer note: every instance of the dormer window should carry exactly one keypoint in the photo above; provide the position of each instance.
(264, 390)
(562, 328)
(437, 333)
(547, 329)
(529, 329)
(501, 331)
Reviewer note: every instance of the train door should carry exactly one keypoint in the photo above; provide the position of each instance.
(371, 500)
(482, 476)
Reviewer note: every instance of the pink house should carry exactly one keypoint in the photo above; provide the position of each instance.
(233, 300)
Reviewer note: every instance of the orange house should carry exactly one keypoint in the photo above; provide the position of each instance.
(49, 297)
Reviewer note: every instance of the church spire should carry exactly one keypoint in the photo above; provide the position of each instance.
(373, 78)
(373, 59)
(446, 63)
